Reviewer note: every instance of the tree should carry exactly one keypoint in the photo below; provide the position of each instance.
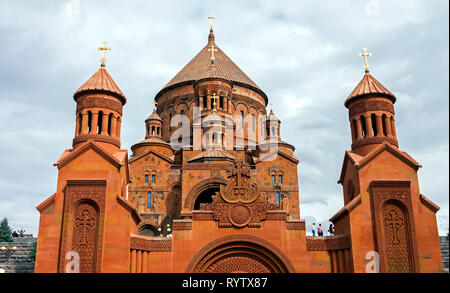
(5, 231)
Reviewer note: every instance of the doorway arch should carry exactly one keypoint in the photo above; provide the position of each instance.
(240, 254)
(201, 187)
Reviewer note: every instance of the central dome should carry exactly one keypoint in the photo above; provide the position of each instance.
(199, 68)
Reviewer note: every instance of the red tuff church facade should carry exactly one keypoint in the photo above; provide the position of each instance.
(214, 188)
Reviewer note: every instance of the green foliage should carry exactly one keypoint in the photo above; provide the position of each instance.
(5, 231)
(32, 255)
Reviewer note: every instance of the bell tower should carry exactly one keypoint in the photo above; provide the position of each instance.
(99, 109)
(371, 113)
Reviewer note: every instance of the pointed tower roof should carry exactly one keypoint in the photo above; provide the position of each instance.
(200, 67)
(154, 116)
(101, 81)
(369, 86)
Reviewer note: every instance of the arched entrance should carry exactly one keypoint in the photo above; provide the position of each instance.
(205, 196)
(201, 192)
(240, 254)
(148, 230)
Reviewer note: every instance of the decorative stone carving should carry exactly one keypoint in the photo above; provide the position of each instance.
(238, 187)
(394, 233)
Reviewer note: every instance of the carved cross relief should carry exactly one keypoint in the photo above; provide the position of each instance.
(86, 223)
(394, 222)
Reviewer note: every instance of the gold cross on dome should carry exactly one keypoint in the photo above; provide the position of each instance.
(212, 50)
(270, 105)
(365, 55)
(103, 49)
(155, 104)
(211, 19)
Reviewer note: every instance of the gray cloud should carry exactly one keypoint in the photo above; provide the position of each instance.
(302, 54)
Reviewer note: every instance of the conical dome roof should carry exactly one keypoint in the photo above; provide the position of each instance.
(101, 81)
(200, 67)
(154, 116)
(369, 86)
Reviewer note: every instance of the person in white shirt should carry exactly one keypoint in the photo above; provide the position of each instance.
(314, 229)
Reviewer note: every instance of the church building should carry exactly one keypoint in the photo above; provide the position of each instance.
(213, 187)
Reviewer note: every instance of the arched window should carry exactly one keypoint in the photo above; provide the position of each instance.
(373, 117)
(214, 137)
(242, 119)
(280, 179)
(383, 120)
(355, 134)
(158, 130)
(153, 130)
(153, 178)
(100, 122)
(109, 123)
(89, 121)
(80, 117)
(221, 102)
(204, 102)
(363, 126)
(253, 122)
(273, 179)
(146, 178)
(277, 198)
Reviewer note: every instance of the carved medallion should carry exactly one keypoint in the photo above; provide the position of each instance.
(239, 215)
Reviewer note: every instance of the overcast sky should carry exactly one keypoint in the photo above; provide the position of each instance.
(303, 54)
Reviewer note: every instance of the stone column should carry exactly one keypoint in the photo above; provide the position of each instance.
(133, 261)
(84, 123)
(77, 126)
(353, 130)
(105, 124)
(358, 129)
(139, 262)
(229, 105)
(200, 102)
(341, 261)
(394, 132)
(369, 129)
(94, 123)
(225, 103)
(380, 131)
(335, 263)
(208, 102)
(387, 123)
(144, 262)
(113, 126)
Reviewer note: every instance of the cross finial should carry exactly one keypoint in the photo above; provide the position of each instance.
(365, 55)
(155, 104)
(212, 50)
(211, 19)
(270, 105)
(103, 49)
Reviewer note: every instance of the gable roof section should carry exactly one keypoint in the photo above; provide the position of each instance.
(67, 157)
(156, 153)
(361, 161)
(278, 153)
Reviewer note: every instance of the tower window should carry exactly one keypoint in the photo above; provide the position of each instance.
(253, 122)
(273, 179)
(89, 121)
(100, 122)
(153, 130)
(221, 102)
(149, 199)
(373, 117)
(153, 178)
(242, 119)
(146, 178)
(277, 196)
(363, 126)
(280, 179)
(383, 120)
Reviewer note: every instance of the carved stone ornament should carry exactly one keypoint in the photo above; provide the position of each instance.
(238, 187)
